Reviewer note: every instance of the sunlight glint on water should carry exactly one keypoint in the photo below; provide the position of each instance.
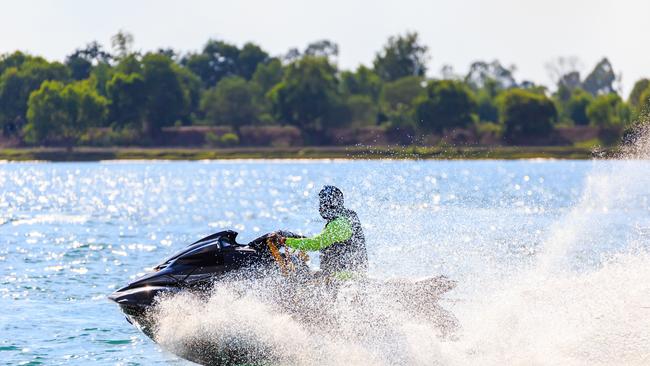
(550, 255)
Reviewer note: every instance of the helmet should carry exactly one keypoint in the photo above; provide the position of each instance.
(331, 202)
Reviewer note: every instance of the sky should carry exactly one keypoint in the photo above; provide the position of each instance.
(526, 33)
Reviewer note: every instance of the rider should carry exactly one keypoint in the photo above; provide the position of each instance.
(341, 244)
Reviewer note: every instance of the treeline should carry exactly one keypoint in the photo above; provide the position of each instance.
(135, 95)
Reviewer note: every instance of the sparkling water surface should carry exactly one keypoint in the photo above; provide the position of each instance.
(71, 233)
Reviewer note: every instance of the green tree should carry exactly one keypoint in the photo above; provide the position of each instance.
(644, 102)
(402, 56)
(79, 66)
(16, 83)
(635, 95)
(168, 99)
(249, 58)
(397, 99)
(217, 60)
(91, 109)
(101, 75)
(131, 63)
(601, 79)
(562, 94)
(268, 74)
(487, 109)
(608, 110)
(486, 101)
(362, 110)
(62, 113)
(308, 95)
(525, 114)
(481, 73)
(231, 102)
(13, 87)
(322, 48)
(576, 107)
(570, 80)
(191, 85)
(82, 61)
(565, 75)
(48, 113)
(448, 104)
(15, 59)
(363, 81)
(127, 95)
(532, 87)
(168, 52)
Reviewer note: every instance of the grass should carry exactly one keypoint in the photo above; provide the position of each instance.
(352, 152)
(589, 143)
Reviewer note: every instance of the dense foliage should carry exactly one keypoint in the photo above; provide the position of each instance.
(62, 112)
(525, 114)
(139, 94)
(448, 104)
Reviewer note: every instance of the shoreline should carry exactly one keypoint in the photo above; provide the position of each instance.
(336, 152)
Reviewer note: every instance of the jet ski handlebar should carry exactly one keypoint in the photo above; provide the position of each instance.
(275, 242)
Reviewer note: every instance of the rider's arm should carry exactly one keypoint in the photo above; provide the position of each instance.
(338, 230)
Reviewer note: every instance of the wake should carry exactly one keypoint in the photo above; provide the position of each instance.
(555, 311)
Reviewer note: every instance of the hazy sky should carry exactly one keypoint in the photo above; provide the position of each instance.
(527, 33)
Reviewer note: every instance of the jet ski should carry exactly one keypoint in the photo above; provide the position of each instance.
(196, 267)
(219, 257)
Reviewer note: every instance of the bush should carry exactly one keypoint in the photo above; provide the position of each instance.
(229, 140)
(212, 139)
(608, 111)
(363, 111)
(233, 101)
(525, 114)
(448, 104)
(576, 107)
(397, 97)
(308, 96)
(63, 113)
(488, 128)
(488, 133)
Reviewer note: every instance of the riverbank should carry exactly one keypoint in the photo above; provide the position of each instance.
(352, 152)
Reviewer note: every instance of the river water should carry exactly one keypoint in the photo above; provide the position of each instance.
(550, 256)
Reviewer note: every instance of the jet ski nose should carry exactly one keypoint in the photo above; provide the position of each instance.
(115, 295)
(119, 294)
(134, 301)
(140, 296)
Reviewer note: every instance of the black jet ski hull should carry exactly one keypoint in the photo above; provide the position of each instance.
(219, 257)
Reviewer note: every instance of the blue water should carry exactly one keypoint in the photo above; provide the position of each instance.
(71, 233)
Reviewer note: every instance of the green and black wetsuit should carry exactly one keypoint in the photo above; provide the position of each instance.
(342, 245)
